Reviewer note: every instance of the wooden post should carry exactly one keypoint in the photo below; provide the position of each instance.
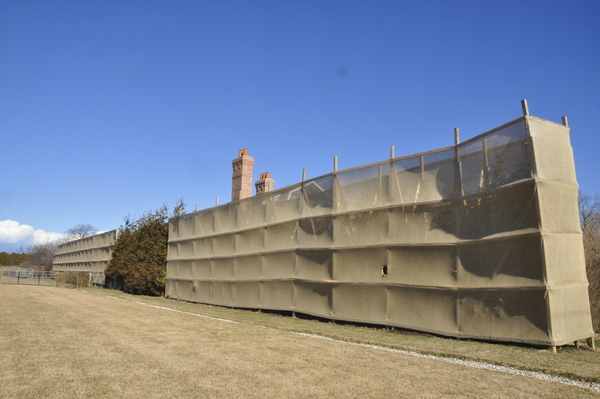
(380, 181)
(422, 167)
(460, 191)
(486, 165)
(525, 107)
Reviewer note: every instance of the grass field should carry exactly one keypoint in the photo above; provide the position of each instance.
(101, 343)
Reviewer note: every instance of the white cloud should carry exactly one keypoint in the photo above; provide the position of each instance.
(12, 232)
(44, 236)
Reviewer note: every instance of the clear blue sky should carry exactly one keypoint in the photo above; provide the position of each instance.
(115, 107)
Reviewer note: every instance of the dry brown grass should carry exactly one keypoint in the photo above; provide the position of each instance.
(72, 280)
(581, 364)
(73, 343)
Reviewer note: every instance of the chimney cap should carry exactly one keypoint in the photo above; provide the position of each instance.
(243, 153)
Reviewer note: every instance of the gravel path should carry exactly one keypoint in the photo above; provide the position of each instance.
(479, 365)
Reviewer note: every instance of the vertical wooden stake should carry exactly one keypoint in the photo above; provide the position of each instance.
(525, 107)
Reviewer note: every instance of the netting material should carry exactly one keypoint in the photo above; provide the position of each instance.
(90, 254)
(479, 240)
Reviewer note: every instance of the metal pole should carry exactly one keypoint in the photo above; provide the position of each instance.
(335, 163)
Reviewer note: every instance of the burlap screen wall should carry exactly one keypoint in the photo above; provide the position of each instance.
(90, 254)
(481, 240)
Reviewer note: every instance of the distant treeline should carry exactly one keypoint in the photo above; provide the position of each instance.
(13, 259)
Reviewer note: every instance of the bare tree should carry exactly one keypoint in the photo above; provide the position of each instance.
(589, 216)
(41, 254)
(589, 211)
(80, 231)
(179, 207)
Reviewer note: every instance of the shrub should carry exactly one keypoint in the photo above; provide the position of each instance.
(139, 261)
(591, 245)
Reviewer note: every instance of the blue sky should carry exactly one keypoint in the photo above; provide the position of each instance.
(115, 107)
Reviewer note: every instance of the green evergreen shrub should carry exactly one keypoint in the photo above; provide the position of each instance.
(591, 244)
(139, 261)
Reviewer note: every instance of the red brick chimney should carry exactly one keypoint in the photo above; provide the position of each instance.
(265, 184)
(241, 185)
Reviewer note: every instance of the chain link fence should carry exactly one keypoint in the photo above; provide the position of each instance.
(28, 277)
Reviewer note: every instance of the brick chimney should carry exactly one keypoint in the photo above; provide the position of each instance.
(241, 185)
(265, 184)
